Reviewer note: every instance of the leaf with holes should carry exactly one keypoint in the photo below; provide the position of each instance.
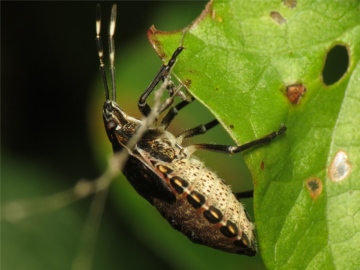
(258, 64)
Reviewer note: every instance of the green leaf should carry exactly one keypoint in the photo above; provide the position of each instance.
(240, 57)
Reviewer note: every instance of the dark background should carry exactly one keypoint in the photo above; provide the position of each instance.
(49, 63)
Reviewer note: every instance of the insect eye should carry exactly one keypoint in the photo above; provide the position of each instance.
(111, 125)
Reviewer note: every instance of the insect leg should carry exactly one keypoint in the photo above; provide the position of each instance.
(244, 194)
(174, 112)
(236, 149)
(201, 129)
(111, 51)
(161, 75)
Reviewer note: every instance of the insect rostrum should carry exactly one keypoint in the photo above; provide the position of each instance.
(191, 197)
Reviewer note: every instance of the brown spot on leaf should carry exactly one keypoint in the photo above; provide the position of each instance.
(277, 17)
(314, 186)
(295, 92)
(186, 82)
(262, 165)
(290, 3)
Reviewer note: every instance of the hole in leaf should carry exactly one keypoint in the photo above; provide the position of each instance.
(340, 167)
(336, 64)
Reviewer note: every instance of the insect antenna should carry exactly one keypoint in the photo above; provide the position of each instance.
(112, 50)
(100, 50)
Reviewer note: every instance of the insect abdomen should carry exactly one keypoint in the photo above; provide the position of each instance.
(205, 210)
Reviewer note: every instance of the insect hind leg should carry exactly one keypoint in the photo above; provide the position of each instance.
(237, 149)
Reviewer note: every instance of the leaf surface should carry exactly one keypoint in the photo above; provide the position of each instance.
(239, 60)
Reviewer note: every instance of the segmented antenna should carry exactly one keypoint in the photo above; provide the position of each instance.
(111, 51)
(101, 51)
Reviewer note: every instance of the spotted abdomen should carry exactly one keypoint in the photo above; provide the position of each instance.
(205, 210)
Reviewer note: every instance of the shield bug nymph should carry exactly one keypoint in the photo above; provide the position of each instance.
(190, 196)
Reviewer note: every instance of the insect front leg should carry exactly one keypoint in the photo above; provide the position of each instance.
(161, 75)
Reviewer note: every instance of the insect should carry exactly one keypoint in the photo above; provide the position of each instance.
(190, 196)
